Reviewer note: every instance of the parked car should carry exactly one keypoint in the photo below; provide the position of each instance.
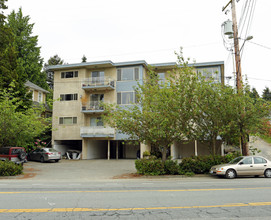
(44, 154)
(243, 166)
(14, 154)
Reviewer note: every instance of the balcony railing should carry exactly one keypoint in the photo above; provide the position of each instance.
(98, 83)
(92, 107)
(97, 131)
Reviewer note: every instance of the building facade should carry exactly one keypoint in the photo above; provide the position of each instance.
(80, 88)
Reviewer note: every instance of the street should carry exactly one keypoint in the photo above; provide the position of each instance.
(149, 198)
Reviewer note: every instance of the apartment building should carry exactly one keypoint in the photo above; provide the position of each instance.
(80, 88)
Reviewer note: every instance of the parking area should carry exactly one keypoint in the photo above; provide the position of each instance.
(76, 170)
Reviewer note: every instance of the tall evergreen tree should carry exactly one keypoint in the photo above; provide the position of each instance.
(10, 71)
(54, 60)
(266, 94)
(28, 52)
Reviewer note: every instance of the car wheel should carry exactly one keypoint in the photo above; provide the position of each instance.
(42, 159)
(230, 174)
(267, 173)
(22, 155)
(56, 161)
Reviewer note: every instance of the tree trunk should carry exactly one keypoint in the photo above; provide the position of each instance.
(214, 145)
(244, 143)
(164, 154)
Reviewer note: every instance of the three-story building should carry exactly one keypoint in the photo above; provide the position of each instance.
(79, 90)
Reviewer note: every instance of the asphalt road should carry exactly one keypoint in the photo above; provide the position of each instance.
(167, 198)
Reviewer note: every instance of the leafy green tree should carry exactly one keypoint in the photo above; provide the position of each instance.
(266, 94)
(26, 45)
(18, 128)
(161, 114)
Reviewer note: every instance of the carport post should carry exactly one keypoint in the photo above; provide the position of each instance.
(196, 148)
(117, 150)
(108, 150)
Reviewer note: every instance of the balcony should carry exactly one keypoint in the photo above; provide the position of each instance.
(97, 132)
(98, 83)
(92, 107)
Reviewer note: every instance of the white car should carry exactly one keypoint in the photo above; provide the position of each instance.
(243, 166)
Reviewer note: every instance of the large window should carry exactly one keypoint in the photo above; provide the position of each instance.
(97, 77)
(125, 98)
(210, 73)
(97, 121)
(68, 97)
(67, 120)
(69, 74)
(128, 74)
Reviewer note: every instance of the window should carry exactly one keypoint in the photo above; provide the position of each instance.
(128, 74)
(67, 120)
(125, 98)
(210, 72)
(247, 160)
(68, 97)
(96, 122)
(70, 74)
(97, 77)
(32, 93)
(40, 97)
(161, 77)
(259, 160)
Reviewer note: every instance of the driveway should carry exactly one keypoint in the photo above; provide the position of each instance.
(265, 148)
(74, 170)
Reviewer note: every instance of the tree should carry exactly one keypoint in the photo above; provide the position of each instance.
(54, 60)
(254, 94)
(18, 128)
(266, 94)
(10, 71)
(84, 59)
(162, 113)
(26, 45)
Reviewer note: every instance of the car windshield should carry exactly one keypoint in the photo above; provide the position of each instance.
(236, 160)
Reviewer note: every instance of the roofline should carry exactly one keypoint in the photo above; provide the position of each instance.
(34, 86)
(128, 63)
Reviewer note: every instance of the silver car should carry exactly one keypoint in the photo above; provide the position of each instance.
(243, 166)
(45, 154)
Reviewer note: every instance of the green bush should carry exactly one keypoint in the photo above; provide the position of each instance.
(171, 167)
(8, 168)
(202, 164)
(152, 167)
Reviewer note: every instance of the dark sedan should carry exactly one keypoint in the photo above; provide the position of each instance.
(44, 154)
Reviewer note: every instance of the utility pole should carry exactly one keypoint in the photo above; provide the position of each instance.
(239, 85)
(236, 46)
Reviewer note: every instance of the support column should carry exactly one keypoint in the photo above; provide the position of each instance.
(144, 147)
(222, 149)
(84, 149)
(196, 148)
(108, 150)
(117, 150)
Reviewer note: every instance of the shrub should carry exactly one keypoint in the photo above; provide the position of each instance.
(8, 168)
(171, 167)
(152, 167)
(202, 164)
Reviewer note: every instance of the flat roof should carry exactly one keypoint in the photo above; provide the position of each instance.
(109, 63)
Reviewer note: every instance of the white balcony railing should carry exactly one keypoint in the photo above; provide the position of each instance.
(92, 106)
(98, 82)
(97, 131)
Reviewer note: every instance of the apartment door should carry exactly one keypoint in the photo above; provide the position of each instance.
(95, 99)
(97, 77)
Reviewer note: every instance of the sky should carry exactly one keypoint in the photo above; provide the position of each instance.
(152, 30)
